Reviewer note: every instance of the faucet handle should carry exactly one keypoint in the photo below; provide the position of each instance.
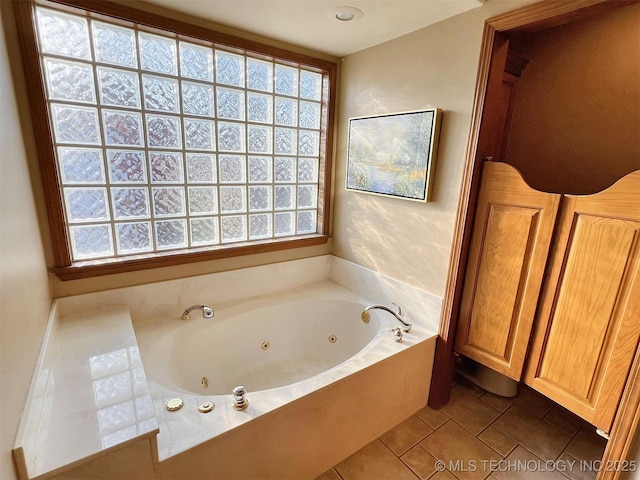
(240, 401)
(397, 334)
(399, 309)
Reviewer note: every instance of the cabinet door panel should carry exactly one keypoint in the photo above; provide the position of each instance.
(509, 247)
(588, 322)
(506, 243)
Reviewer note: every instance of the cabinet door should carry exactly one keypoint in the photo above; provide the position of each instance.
(509, 247)
(588, 321)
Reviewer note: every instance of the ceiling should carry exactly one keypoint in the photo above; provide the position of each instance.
(309, 23)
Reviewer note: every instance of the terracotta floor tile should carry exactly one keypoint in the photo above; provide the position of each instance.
(471, 436)
(434, 418)
(444, 475)
(329, 475)
(405, 435)
(420, 461)
(587, 445)
(538, 436)
(452, 443)
(532, 401)
(575, 469)
(469, 411)
(564, 420)
(374, 461)
(469, 386)
(497, 440)
(521, 464)
(499, 403)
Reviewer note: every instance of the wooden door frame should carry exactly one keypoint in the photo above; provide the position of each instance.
(491, 65)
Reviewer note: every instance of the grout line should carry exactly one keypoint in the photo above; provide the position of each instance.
(572, 458)
(448, 418)
(413, 444)
(436, 428)
(336, 472)
(385, 446)
(492, 448)
(496, 408)
(571, 440)
(409, 466)
(397, 457)
(503, 433)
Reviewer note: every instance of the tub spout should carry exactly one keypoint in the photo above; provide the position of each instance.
(406, 326)
(207, 312)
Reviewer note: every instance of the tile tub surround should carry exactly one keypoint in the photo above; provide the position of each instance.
(88, 398)
(168, 300)
(384, 289)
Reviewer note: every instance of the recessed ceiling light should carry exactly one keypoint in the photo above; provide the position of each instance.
(345, 14)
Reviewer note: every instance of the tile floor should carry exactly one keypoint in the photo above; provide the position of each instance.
(480, 436)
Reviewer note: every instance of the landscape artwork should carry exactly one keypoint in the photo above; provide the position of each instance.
(393, 154)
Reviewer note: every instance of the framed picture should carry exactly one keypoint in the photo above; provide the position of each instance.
(394, 154)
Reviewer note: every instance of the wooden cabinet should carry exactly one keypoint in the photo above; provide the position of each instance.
(508, 252)
(587, 318)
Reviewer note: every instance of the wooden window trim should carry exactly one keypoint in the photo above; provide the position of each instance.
(64, 267)
(94, 268)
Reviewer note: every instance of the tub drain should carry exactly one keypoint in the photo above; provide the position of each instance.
(265, 345)
(333, 339)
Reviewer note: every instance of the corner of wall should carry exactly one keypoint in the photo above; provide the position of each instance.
(25, 298)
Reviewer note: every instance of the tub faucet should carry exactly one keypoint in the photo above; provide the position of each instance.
(207, 312)
(406, 326)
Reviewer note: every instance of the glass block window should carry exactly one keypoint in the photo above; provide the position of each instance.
(163, 142)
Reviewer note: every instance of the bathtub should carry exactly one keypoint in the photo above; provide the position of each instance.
(321, 383)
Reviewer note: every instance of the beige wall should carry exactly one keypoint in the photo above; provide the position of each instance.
(24, 288)
(433, 67)
(576, 122)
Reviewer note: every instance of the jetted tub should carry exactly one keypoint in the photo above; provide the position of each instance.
(262, 346)
(321, 383)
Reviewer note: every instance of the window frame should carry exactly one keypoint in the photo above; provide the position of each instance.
(65, 268)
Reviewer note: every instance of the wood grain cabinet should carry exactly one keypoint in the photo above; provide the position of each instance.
(578, 343)
(508, 252)
(588, 318)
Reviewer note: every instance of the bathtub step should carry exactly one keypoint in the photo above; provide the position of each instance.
(88, 397)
